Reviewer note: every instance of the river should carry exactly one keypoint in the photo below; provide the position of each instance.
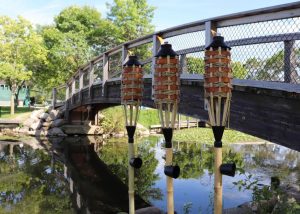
(34, 178)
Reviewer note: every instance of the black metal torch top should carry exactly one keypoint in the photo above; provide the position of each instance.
(133, 60)
(166, 50)
(218, 41)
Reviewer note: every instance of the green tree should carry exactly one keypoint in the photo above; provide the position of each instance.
(195, 65)
(274, 66)
(132, 19)
(238, 70)
(66, 52)
(21, 51)
(87, 21)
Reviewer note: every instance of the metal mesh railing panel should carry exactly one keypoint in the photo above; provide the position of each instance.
(188, 40)
(86, 78)
(275, 54)
(98, 71)
(192, 63)
(144, 53)
(115, 65)
(267, 28)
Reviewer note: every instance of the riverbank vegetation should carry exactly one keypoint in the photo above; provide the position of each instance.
(113, 121)
(205, 135)
(20, 111)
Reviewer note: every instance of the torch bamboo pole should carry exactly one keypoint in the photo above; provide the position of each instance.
(125, 113)
(212, 110)
(161, 115)
(209, 113)
(174, 111)
(228, 119)
(169, 180)
(225, 110)
(131, 179)
(218, 181)
(136, 112)
(131, 114)
(168, 115)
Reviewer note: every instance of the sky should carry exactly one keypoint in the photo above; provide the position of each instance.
(168, 13)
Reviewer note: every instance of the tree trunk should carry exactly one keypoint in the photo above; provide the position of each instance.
(12, 104)
(12, 99)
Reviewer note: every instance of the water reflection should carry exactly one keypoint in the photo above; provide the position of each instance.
(193, 190)
(46, 177)
(28, 182)
(114, 154)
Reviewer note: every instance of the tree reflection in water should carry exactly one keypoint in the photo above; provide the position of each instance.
(114, 154)
(196, 163)
(28, 184)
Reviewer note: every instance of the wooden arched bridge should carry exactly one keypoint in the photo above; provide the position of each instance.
(266, 63)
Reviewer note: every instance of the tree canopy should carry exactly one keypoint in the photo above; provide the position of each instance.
(132, 19)
(21, 53)
(80, 33)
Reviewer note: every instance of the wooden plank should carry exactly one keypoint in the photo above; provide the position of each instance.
(185, 30)
(209, 27)
(105, 72)
(261, 15)
(264, 39)
(139, 42)
(191, 50)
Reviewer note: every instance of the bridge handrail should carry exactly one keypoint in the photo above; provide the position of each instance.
(279, 12)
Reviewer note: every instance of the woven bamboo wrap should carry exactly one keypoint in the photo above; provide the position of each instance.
(132, 85)
(166, 80)
(218, 74)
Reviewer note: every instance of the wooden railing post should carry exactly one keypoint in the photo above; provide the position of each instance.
(105, 72)
(91, 78)
(67, 92)
(73, 86)
(155, 48)
(81, 73)
(124, 54)
(290, 73)
(209, 27)
(183, 64)
(54, 94)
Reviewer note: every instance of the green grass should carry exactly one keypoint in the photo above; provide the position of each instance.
(114, 120)
(148, 117)
(115, 117)
(205, 135)
(5, 112)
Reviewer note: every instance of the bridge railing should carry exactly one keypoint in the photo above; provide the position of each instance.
(265, 46)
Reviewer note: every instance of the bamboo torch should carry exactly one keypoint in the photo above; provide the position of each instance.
(131, 95)
(218, 76)
(166, 97)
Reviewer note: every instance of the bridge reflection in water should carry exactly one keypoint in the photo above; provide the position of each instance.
(54, 177)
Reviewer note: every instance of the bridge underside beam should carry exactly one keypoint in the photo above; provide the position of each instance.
(259, 110)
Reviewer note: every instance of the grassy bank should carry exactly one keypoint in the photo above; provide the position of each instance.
(205, 135)
(148, 117)
(114, 120)
(5, 112)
